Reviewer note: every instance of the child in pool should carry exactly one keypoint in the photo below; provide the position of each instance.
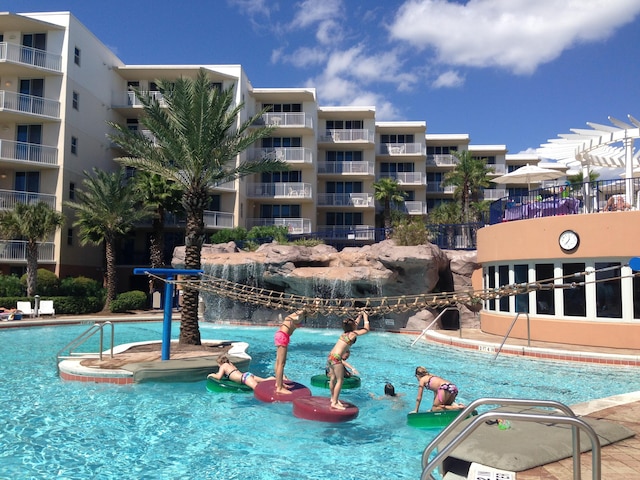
(229, 371)
(281, 339)
(444, 392)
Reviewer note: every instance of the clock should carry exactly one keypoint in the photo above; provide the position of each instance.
(568, 240)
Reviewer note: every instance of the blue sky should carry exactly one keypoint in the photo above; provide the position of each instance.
(513, 72)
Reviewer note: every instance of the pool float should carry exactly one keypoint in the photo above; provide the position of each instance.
(323, 381)
(225, 385)
(437, 419)
(319, 409)
(266, 391)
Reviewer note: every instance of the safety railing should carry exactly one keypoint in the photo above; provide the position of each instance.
(82, 338)
(506, 335)
(569, 417)
(424, 332)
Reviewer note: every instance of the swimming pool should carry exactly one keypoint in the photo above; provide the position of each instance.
(72, 430)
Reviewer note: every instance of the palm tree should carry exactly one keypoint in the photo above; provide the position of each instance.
(107, 207)
(35, 223)
(197, 137)
(387, 190)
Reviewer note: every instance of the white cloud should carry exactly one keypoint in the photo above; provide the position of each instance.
(518, 35)
(301, 58)
(448, 79)
(314, 11)
(251, 7)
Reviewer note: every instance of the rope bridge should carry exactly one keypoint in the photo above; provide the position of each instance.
(373, 305)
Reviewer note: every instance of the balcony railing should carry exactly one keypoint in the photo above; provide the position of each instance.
(347, 136)
(14, 53)
(345, 200)
(401, 149)
(406, 178)
(295, 226)
(442, 160)
(10, 198)
(28, 152)
(412, 207)
(16, 251)
(494, 193)
(279, 190)
(437, 187)
(288, 119)
(213, 219)
(346, 168)
(22, 103)
(347, 232)
(284, 154)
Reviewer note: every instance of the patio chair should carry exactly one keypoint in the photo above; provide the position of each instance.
(46, 308)
(25, 308)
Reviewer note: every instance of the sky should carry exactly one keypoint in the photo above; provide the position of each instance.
(505, 72)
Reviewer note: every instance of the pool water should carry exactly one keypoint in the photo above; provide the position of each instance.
(71, 430)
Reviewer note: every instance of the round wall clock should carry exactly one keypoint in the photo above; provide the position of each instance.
(568, 240)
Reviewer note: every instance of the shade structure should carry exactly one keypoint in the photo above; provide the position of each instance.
(529, 174)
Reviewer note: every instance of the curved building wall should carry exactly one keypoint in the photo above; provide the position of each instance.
(592, 297)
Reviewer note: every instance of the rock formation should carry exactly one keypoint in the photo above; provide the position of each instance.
(379, 270)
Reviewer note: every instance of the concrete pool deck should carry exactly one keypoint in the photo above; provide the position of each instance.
(619, 460)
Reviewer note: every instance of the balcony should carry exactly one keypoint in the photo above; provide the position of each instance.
(347, 136)
(412, 207)
(128, 99)
(16, 251)
(28, 152)
(10, 198)
(294, 155)
(280, 190)
(213, 219)
(23, 59)
(296, 226)
(498, 168)
(437, 187)
(494, 193)
(347, 232)
(406, 178)
(345, 200)
(346, 168)
(442, 160)
(29, 105)
(287, 119)
(400, 149)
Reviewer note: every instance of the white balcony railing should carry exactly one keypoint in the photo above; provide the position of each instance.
(413, 207)
(22, 103)
(348, 232)
(288, 119)
(284, 154)
(28, 152)
(133, 101)
(16, 251)
(295, 226)
(279, 190)
(213, 219)
(407, 178)
(494, 193)
(401, 149)
(10, 198)
(437, 187)
(442, 160)
(14, 53)
(346, 168)
(345, 200)
(347, 136)
(498, 168)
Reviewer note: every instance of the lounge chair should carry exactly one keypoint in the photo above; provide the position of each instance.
(25, 308)
(46, 308)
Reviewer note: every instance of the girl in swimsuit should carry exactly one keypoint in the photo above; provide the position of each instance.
(335, 359)
(281, 340)
(229, 371)
(444, 392)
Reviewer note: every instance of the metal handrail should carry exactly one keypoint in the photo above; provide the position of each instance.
(86, 335)
(571, 418)
(424, 332)
(509, 331)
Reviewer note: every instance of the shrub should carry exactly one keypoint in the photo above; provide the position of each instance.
(411, 231)
(48, 283)
(133, 300)
(10, 286)
(229, 235)
(269, 233)
(81, 287)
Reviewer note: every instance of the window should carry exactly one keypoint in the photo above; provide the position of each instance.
(491, 283)
(444, 150)
(76, 56)
(34, 51)
(345, 124)
(283, 107)
(386, 167)
(74, 145)
(72, 191)
(545, 302)
(521, 275)
(344, 187)
(575, 303)
(70, 236)
(396, 138)
(76, 100)
(132, 124)
(275, 142)
(29, 139)
(355, 156)
(293, 176)
(344, 218)
(608, 290)
(280, 211)
(503, 279)
(27, 182)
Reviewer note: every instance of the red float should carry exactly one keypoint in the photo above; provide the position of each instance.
(266, 392)
(319, 409)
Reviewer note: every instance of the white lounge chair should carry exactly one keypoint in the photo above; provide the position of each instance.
(46, 308)
(25, 308)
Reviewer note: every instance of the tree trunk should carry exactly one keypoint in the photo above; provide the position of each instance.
(112, 286)
(32, 268)
(156, 247)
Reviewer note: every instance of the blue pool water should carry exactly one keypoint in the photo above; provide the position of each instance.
(70, 430)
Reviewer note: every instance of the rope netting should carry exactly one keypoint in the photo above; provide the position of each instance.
(379, 305)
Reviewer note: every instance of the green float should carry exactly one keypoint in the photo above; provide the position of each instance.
(437, 419)
(223, 385)
(322, 381)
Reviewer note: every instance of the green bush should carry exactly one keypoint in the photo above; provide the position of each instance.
(48, 283)
(133, 300)
(269, 232)
(81, 287)
(229, 235)
(410, 231)
(10, 286)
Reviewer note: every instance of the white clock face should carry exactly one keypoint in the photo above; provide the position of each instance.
(568, 240)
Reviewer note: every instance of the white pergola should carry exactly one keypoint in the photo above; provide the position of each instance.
(600, 146)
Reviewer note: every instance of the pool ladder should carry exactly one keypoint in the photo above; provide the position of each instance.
(82, 338)
(569, 417)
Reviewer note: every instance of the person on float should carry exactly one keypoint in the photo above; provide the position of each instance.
(281, 339)
(335, 361)
(228, 371)
(444, 392)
